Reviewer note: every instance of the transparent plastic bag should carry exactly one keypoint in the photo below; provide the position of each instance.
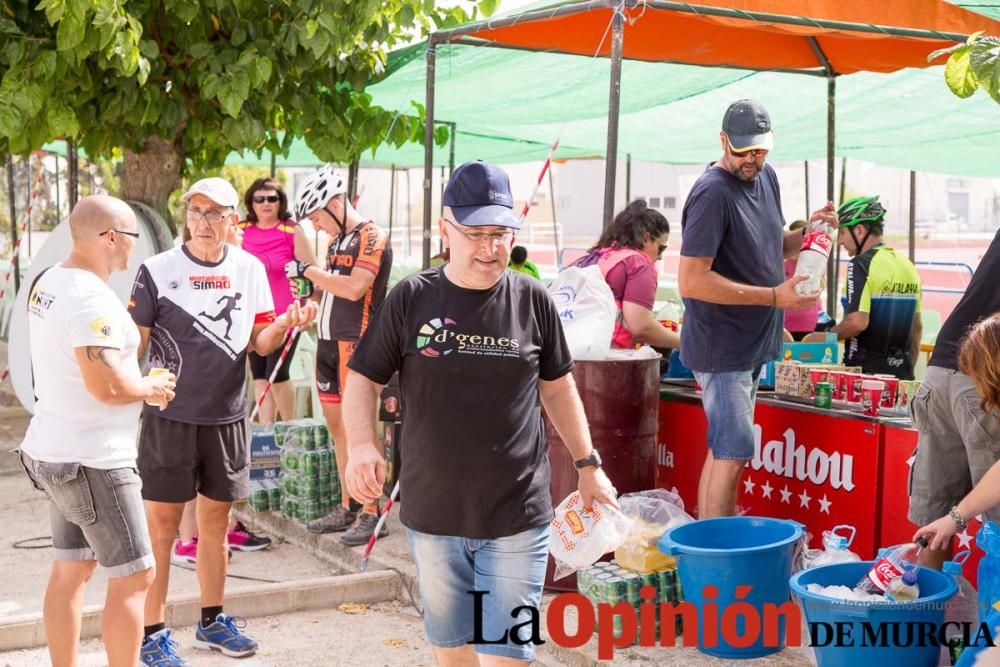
(581, 536)
(653, 513)
(835, 549)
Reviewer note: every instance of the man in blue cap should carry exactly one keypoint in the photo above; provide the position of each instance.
(473, 340)
(734, 290)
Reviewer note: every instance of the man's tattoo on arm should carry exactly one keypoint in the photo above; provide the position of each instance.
(96, 353)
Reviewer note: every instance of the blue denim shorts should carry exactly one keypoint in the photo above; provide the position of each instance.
(510, 569)
(728, 399)
(96, 514)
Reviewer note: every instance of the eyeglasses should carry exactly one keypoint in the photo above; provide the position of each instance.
(211, 215)
(753, 152)
(134, 235)
(479, 237)
(270, 199)
(660, 247)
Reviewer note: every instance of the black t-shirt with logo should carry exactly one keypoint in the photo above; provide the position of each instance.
(474, 456)
(981, 299)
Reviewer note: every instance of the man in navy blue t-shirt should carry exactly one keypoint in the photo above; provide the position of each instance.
(732, 282)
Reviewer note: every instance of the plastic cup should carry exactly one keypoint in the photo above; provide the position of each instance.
(835, 386)
(890, 392)
(154, 372)
(871, 398)
(853, 383)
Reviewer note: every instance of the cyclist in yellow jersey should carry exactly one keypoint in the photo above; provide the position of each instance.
(881, 326)
(353, 285)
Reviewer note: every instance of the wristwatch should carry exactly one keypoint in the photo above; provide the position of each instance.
(593, 460)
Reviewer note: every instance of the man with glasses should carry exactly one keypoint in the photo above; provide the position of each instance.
(199, 445)
(731, 278)
(80, 445)
(478, 349)
(353, 284)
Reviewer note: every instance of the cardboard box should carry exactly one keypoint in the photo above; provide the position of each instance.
(794, 378)
(826, 352)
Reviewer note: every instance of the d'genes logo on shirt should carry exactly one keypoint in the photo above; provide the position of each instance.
(436, 338)
(433, 339)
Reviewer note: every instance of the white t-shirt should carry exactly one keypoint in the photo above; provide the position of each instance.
(67, 309)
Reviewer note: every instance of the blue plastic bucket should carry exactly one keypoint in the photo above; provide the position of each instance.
(865, 621)
(728, 552)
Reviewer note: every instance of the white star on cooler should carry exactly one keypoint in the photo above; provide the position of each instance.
(964, 540)
(824, 504)
(748, 485)
(785, 494)
(909, 461)
(766, 489)
(804, 499)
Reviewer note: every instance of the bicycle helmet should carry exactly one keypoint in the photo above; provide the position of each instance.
(861, 210)
(318, 189)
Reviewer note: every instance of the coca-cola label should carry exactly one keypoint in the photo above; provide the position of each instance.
(818, 241)
(884, 572)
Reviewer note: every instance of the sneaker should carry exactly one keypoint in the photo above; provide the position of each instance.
(184, 553)
(361, 530)
(159, 650)
(241, 539)
(339, 519)
(224, 635)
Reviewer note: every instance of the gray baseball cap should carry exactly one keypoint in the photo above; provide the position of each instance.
(748, 126)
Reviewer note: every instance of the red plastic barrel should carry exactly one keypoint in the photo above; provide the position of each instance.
(621, 399)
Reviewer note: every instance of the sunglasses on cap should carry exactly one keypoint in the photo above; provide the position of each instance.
(270, 199)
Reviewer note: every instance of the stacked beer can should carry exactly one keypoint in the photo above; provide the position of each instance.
(609, 583)
(310, 486)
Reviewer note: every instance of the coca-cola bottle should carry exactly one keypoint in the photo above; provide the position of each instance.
(890, 566)
(816, 245)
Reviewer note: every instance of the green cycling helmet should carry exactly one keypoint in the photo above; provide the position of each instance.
(861, 210)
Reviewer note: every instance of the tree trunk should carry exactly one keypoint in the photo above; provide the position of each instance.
(150, 176)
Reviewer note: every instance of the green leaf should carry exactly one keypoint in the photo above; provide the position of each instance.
(201, 50)
(30, 98)
(149, 49)
(13, 52)
(311, 27)
(69, 34)
(239, 36)
(934, 55)
(62, 121)
(487, 7)
(264, 68)
(319, 43)
(9, 27)
(10, 121)
(54, 9)
(958, 73)
(47, 64)
(143, 71)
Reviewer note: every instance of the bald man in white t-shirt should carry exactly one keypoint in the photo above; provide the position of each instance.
(80, 445)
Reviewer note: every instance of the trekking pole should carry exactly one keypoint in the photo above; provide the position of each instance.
(378, 527)
(281, 360)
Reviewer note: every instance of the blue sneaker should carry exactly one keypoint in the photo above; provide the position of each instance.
(224, 635)
(159, 650)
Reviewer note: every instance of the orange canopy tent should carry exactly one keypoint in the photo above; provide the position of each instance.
(815, 37)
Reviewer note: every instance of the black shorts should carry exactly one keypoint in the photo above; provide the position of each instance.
(331, 368)
(262, 367)
(178, 460)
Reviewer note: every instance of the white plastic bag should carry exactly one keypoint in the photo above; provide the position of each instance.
(587, 311)
(580, 536)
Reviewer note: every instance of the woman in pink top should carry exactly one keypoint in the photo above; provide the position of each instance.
(626, 254)
(799, 323)
(270, 234)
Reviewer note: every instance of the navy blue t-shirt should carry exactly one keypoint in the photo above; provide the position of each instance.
(739, 224)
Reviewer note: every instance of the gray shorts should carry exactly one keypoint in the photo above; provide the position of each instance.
(96, 514)
(178, 460)
(957, 444)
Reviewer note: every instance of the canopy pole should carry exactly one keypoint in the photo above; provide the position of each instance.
(913, 216)
(614, 103)
(428, 151)
(451, 150)
(628, 178)
(831, 113)
(58, 203)
(808, 208)
(13, 222)
(274, 164)
(31, 202)
(72, 175)
(392, 196)
(555, 225)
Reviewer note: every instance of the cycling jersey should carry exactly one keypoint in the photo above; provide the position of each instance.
(885, 285)
(366, 247)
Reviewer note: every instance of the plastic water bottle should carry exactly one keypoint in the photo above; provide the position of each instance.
(835, 547)
(904, 588)
(964, 606)
(815, 249)
(890, 566)
(988, 539)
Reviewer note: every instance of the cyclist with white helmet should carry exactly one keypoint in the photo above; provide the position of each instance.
(353, 285)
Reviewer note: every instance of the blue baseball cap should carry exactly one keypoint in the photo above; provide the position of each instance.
(478, 194)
